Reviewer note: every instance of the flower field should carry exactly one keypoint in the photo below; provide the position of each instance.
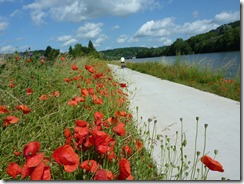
(69, 119)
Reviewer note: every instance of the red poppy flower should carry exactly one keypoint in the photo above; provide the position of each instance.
(17, 153)
(123, 85)
(37, 173)
(24, 108)
(31, 148)
(11, 85)
(90, 165)
(29, 91)
(139, 144)
(101, 174)
(13, 169)
(55, 93)
(67, 132)
(119, 129)
(126, 150)
(80, 123)
(28, 60)
(3, 109)
(97, 100)
(42, 60)
(35, 160)
(89, 68)
(81, 132)
(41, 172)
(43, 97)
(124, 170)
(63, 58)
(74, 67)
(98, 115)
(84, 92)
(91, 91)
(212, 164)
(65, 155)
(67, 79)
(17, 58)
(10, 120)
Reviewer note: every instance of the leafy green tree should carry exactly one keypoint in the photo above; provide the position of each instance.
(48, 50)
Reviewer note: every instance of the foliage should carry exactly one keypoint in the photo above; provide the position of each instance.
(192, 75)
(224, 38)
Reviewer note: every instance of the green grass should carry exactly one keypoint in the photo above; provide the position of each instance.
(48, 119)
(191, 75)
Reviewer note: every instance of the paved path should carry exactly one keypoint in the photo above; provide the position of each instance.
(167, 102)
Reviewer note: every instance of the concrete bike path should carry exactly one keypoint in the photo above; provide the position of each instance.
(167, 102)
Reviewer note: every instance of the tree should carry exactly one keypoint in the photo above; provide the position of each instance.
(48, 50)
(90, 46)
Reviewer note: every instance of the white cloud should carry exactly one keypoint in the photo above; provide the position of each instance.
(7, 49)
(156, 28)
(3, 25)
(69, 42)
(166, 41)
(197, 27)
(64, 38)
(79, 10)
(100, 40)
(89, 30)
(115, 27)
(227, 17)
(122, 39)
(16, 13)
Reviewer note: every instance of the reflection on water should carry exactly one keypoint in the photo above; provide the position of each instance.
(226, 61)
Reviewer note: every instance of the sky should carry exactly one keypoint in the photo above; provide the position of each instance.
(108, 24)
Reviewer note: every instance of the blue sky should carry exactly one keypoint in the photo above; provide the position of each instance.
(108, 23)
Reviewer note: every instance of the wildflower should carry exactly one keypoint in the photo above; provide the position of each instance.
(67, 79)
(55, 93)
(126, 150)
(97, 100)
(10, 120)
(90, 165)
(80, 123)
(101, 175)
(123, 85)
(65, 155)
(16, 58)
(139, 144)
(124, 170)
(28, 60)
(3, 109)
(11, 85)
(212, 164)
(17, 153)
(43, 97)
(84, 92)
(42, 60)
(74, 67)
(89, 68)
(29, 91)
(119, 129)
(63, 58)
(35, 160)
(31, 148)
(24, 108)
(13, 169)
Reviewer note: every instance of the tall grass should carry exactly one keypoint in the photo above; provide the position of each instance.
(77, 103)
(191, 75)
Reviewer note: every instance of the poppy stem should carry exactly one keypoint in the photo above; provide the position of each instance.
(195, 152)
(181, 149)
(205, 140)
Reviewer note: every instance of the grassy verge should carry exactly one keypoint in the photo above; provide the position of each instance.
(203, 79)
(69, 119)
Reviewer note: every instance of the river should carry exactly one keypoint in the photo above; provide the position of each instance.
(229, 62)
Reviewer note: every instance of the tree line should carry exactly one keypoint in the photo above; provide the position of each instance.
(224, 38)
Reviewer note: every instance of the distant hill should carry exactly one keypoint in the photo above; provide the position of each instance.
(223, 38)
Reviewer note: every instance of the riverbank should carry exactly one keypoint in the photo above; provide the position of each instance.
(167, 102)
(191, 75)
